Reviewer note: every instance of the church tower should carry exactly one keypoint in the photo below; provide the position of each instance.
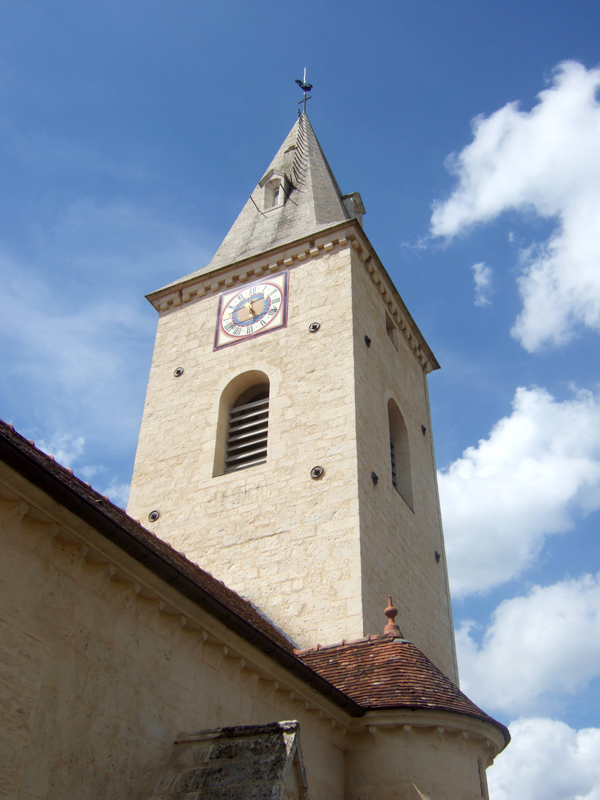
(286, 440)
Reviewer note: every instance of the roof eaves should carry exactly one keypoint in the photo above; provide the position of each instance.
(151, 552)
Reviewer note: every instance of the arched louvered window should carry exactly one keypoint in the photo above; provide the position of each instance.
(247, 429)
(400, 454)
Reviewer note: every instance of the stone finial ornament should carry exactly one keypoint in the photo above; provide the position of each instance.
(391, 629)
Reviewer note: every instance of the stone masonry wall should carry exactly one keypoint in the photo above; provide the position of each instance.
(317, 557)
(398, 544)
(285, 541)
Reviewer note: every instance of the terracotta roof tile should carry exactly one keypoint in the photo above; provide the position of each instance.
(384, 672)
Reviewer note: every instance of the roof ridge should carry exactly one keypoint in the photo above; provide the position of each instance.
(348, 643)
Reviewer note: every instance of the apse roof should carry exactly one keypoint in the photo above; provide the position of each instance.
(389, 672)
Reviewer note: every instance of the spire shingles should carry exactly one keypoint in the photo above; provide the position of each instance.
(311, 201)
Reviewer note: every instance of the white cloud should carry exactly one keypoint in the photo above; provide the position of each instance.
(482, 278)
(118, 493)
(76, 332)
(68, 449)
(65, 447)
(547, 760)
(538, 470)
(536, 649)
(546, 160)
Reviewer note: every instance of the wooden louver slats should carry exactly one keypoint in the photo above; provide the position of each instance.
(393, 458)
(247, 433)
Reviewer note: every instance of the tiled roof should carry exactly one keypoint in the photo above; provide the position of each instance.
(156, 555)
(383, 672)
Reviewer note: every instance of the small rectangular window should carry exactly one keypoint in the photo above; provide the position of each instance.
(400, 454)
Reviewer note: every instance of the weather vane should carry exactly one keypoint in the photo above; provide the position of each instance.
(306, 87)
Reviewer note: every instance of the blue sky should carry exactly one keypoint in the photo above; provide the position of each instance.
(130, 137)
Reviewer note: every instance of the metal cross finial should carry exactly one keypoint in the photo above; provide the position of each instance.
(306, 87)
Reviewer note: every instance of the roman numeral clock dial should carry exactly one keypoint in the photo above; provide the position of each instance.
(252, 311)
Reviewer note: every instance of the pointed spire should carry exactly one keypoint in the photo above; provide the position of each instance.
(297, 196)
(308, 199)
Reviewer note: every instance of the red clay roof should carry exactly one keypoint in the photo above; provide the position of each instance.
(385, 672)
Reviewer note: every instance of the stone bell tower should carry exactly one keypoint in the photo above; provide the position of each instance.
(286, 439)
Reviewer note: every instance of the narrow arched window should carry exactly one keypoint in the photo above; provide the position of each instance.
(247, 429)
(399, 453)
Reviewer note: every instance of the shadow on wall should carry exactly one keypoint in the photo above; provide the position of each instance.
(400, 453)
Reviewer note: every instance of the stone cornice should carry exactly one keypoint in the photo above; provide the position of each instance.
(345, 234)
(448, 723)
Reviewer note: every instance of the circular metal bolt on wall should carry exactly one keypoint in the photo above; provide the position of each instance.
(314, 327)
(178, 372)
(153, 515)
(317, 472)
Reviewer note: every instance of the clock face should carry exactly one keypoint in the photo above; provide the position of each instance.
(251, 311)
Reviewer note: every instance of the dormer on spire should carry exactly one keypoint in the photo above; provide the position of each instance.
(276, 187)
(300, 183)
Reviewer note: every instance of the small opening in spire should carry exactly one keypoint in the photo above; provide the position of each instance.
(274, 190)
(273, 194)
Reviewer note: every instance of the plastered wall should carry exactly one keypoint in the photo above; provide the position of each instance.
(97, 679)
(410, 763)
